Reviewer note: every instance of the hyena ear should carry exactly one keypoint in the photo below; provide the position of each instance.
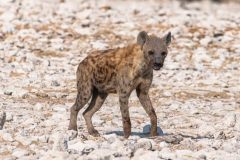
(167, 38)
(142, 37)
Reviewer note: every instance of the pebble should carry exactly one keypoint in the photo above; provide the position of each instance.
(232, 146)
(144, 143)
(202, 156)
(38, 106)
(55, 83)
(56, 155)
(19, 153)
(2, 119)
(71, 134)
(100, 154)
(165, 153)
(77, 147)
(9, 93)
(184, 154)
(163, 144)
(23, 140)
(9, 117)
(117, 144)
(205, 41)
(220, 135)
(110, 137)
(43, 138)
(59, 108)
(141, 154)
(229, 120)
(237, 124)
(7, 136)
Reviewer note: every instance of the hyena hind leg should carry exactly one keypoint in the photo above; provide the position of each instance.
(83, 97)
(95, 104)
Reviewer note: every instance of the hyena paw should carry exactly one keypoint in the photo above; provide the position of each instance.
(127, 134)
(94, 133)
(72, 127)
(153, 134)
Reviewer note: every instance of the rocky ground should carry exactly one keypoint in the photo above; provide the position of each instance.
(196, 95)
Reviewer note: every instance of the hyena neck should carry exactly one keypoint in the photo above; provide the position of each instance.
(141, 65)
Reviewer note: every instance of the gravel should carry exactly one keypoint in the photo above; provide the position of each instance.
(195, 95)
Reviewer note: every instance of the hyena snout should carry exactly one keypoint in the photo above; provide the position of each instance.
(157, 66)
(158, 63)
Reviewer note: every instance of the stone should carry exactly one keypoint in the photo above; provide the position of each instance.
(99, 45)
(237, 125)
(205, 41)
(77, 147)
(59, 108)
(2, 119)
(9, 93)
(57, 155)
(220, 135)
(230, 120)
(38, 106)
(19, 153)
(143, 143)
(55, 83)
(43, 138)
(163, 144)
(165, 153)
(117, 144)
(173, 139)
(101, 154)
(9, 117)
(184, 154)
(59, 142)
(231, 146)
(110, 137)
(87, 150)
(202, 157)
(42, 95)
(28, 122)
(7, 137)
(141, 154)
(23, 140)
(71, 134)
(167, 94)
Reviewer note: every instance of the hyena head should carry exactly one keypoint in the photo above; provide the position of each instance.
(154, 48)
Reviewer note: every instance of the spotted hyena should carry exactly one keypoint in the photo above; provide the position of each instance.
(121, 71)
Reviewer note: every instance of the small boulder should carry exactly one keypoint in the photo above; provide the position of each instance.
(7, 137)
(101, 154)
(144, 143)
(20, 153)
(2, 119)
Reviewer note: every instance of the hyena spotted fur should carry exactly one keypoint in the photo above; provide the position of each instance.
(120, 71)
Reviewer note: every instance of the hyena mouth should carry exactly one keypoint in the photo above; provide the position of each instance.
(157, 66)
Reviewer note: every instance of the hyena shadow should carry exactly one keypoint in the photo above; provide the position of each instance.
(143, 134)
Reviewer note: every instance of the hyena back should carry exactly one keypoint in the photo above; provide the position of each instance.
(121, 71)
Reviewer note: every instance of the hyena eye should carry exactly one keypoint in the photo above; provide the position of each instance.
(150, 52)
(163, 54)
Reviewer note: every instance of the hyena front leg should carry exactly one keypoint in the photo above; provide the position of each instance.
(95, 104)
(142, 93)
(123, 100)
